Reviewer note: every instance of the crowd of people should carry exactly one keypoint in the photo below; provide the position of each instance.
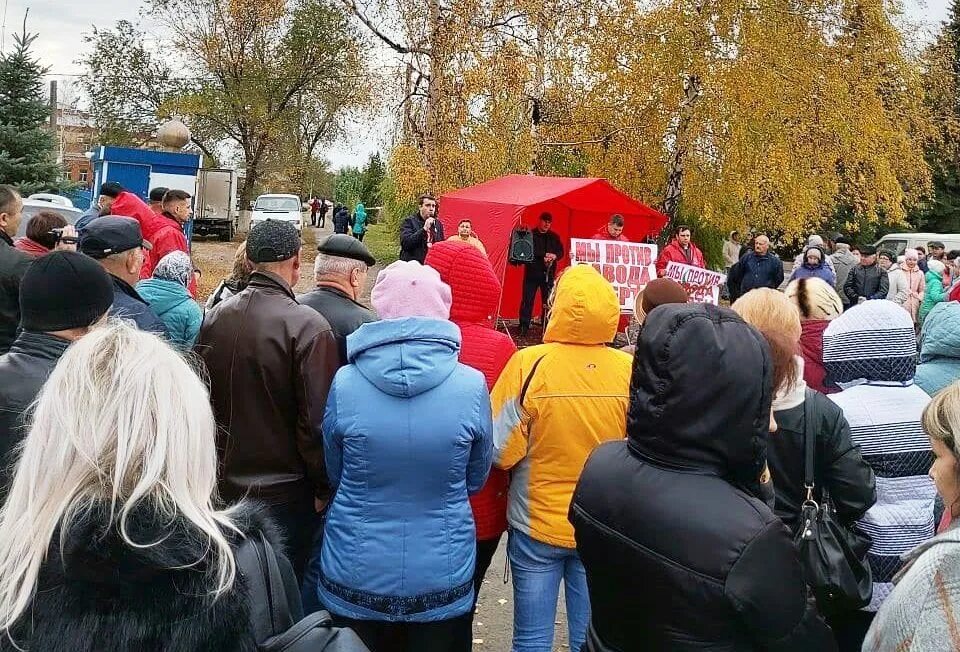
(672, 489)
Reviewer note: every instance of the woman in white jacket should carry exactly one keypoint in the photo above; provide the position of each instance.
(907, 283)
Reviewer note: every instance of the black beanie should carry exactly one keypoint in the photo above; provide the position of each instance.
(63, 290)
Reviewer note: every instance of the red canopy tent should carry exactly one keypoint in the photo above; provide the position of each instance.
(580, 207)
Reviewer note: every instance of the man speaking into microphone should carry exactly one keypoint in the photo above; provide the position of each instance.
(541, 273)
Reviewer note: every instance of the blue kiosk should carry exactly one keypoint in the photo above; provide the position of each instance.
(139, 170)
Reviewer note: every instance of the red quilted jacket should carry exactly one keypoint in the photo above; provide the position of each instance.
(476, 295)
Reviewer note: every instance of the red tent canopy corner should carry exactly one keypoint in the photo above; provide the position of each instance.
(580, 207)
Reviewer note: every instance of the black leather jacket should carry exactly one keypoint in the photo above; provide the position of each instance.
(23, 371)
(838, 466)
(870, 282)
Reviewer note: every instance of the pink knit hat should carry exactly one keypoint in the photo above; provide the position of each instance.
(408, 289)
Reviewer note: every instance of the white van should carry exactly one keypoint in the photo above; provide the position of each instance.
(278, 207)
(898, 242)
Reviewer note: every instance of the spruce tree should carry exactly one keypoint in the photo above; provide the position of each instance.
(27, 146)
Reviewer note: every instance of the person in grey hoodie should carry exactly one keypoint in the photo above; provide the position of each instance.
(843, 261)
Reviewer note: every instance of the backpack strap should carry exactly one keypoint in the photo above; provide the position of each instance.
(529, 378)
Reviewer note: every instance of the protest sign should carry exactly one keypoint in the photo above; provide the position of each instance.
(629, 266)
(703, 285)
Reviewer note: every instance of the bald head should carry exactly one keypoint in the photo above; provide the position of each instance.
(761, 245)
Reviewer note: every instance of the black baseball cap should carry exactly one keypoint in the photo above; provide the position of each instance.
(936, 244)
(110, 235)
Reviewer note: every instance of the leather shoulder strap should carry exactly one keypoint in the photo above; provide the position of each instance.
(809, 438)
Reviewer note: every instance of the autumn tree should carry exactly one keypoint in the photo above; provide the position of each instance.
(761, 114)
(271, 79)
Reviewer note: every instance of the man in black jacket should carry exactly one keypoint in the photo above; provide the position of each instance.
(419, 231)
(13, 265)
(539, 275)
(867, 280)
(61, 296)
(680, 551)
(341, 270)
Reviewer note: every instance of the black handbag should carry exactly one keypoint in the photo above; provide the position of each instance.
(833, 557)
(272, 615)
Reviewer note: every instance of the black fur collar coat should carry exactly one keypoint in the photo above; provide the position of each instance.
(99, 593)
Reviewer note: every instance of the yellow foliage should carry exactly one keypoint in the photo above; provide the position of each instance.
(767, 115)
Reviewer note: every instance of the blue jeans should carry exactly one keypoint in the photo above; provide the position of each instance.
(537, 570)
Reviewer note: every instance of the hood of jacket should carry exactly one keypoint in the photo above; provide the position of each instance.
(32, 247)
(129, 205)
(934, 277)
(823, 257)
(585, 308)
(941, 333)
(843, 255)
(473, 283)
(680, 416)
(405, 357)
(163, 295)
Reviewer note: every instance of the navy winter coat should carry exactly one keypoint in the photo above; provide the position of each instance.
(755, 271)
(407, 436)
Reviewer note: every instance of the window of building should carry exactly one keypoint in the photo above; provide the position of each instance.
(83, 176)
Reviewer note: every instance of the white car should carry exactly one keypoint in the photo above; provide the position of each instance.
(52, 199)
(33, 206)
(278, 207)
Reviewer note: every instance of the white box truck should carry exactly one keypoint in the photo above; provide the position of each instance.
(215, 207)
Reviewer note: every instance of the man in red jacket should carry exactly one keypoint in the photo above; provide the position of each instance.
(475, 290)
(612, 231)
(680, 250)
(168, 235)
(117, 201)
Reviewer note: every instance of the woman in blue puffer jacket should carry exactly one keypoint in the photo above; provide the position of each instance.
(407, 437)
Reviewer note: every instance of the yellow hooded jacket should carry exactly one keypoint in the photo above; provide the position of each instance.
(577, 398)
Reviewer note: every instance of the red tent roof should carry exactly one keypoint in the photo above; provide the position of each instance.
(578, 194)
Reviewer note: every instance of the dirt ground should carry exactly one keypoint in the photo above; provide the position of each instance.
(493, 625)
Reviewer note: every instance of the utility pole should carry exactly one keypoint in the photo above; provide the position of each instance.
(3, 26)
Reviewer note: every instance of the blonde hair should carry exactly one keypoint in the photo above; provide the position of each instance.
(122, 421)
(941, 417)
(769, 311)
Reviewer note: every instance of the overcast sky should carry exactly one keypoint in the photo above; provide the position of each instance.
(62, 23)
